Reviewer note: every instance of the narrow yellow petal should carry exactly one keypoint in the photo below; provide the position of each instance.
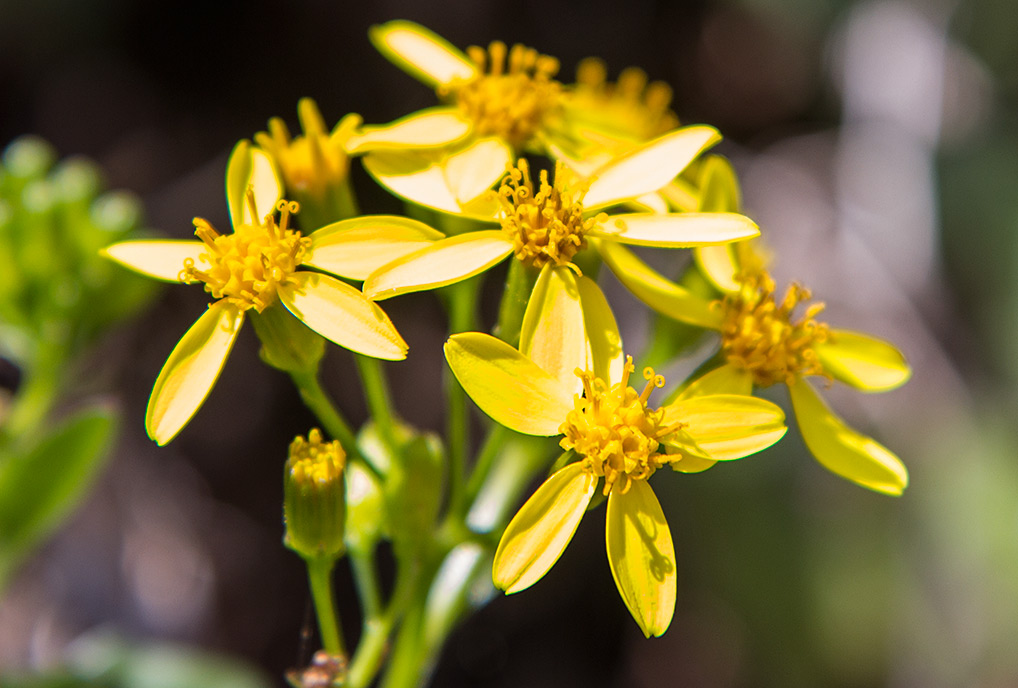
(507, 385)
(642, 556)
(656, 291)
(725, 379)
(343, 315)
(677, 230)
(472, 171)
(539, 532)
(719, 265)
(441, 126)
(606, 356)
(421, 53)
(690, 463)
(441, 263)
(649, 167)
(191, 371)
(553, 334)
(357, 247)
(841, 449)
(719, 193)
(250, 166)
(864, 362)
(161, 259)
(727, 426)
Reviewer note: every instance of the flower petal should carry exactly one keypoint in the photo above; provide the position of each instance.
(725, 426)
(656, 291)
(553, 334)
(841, 449)
(864, 362)
(161, 259)
(432, 127)
(343, 315)
(642, 556)
(719, 265)
(507, 385)
(725, 379)
(191, 371)
(421, 53)
(649, 167)
(357, 247)
(250, 166)
(677, 230)
(539, 532)
(443, 262)
(452, 183)
(606, 355)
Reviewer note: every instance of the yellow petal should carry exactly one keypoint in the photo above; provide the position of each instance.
(659, 293)
(642, 556)
(425, 55)
(343, 315)
(719, 265)
(163, 260)
(357, 247)
(677, 230)
(690, 463)
(440, 126)
(726, 426)
(553, 334)
(507, 385)
(841, 449)
(864, 362)
(606, 356)
(541, 529)
(452, 183)
(719, 187)
(441, 263)
(191, 371)
(649, 167)
(249, 166)
(725, 379)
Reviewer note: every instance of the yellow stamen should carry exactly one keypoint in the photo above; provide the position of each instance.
(510, 100)
(762, 337)
(615, 431)
(248, 266)
(313, 461)
(545, 226)
(633, 103)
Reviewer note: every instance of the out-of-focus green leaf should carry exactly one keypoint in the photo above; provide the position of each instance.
(413, 492)
(39, 487)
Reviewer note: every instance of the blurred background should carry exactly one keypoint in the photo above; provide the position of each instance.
(877, 144)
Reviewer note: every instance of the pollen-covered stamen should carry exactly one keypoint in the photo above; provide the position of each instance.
(509, 100)
(615, 432)
(763, 337)
(633, 104)
(546, 225)
(248, 266)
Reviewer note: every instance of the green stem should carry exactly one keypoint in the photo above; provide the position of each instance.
(325, 410)
(374, 643)
(320, 577)
(497, 436)
(519, 283)
(366, 576)
(376, 393)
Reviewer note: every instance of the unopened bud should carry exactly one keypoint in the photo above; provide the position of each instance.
(314, 501)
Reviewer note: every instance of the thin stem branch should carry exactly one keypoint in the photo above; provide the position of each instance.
(320, 577)
(325, 410)
(379, 400)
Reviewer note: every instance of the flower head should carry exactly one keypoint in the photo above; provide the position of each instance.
(257, 268)
(314, 496)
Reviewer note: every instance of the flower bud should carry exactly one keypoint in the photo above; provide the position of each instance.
(314, 501)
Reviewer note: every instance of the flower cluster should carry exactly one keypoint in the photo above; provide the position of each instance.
(564, 179)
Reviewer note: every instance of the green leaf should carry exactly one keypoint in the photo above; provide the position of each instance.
(39, 488)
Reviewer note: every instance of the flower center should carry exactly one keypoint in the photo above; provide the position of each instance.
(615, 431)
(314, 462)
(762, 337)
(508, 100)
(248, 266)
(631, 105)
(545, 226)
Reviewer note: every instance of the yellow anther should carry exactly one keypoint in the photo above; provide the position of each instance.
(764, 338)
(615, 431)
(631, 104)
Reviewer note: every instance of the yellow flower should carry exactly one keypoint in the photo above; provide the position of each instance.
(766, 340)
(544, 222)
(316, 162)
(508, 93)
(614, 433)
(256, 267)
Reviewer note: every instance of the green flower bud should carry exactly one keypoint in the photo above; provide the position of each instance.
(287, 343)
(314, 497)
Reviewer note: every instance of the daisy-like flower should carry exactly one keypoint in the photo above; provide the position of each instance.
(619, 442)
(508, 93)
(544, 223)
(255, 271)
(767, 339)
